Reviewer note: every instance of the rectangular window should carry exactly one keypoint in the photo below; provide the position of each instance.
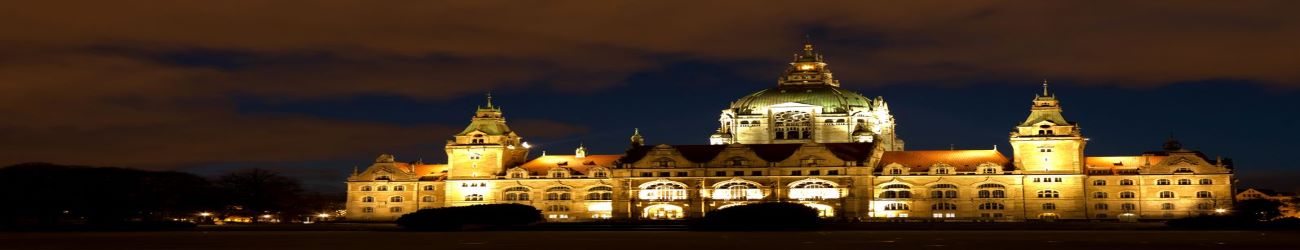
(796, 173)
(756, 173)
(681, 174)
(832, 172)
(1058, 179)
(665, 174)
(647, 174)
(814, 172)
(738, 173)
(720, 173)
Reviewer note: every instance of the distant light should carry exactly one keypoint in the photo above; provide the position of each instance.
(527, 146)
(205, 214)
(266, 216)
(323, 215)
(806, 67)
(1220, 210)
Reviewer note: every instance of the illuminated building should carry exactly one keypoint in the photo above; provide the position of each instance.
(806, 141)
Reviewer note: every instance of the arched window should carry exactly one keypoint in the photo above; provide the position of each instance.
(395, 209)
(1162, 182)
(1207, 182)
(896, 171)
(382, 188)
(1204, 194)
(1100, 195)
(367, 199)
(737, 190)
(814, 189)
(426, 199)
(367, 210)
(943, 191)
(663, 190)
(992, 190)
(1128, 207)
(1049, 194)
(399, 188)
(1099, 182)
(896, 206)
(1049, 206)
(395, 199)
(1166, 194)
(601, 193)
(943, 206)
(1127, 195)
(365, 188)
(517, 194)
(1100, 206)
(793, 125)
(474, 197)
(1125, 182)
(428, 187)
(1167, 206)
(559, 194)
(1184, 182)
(900, 186)
(992, 206)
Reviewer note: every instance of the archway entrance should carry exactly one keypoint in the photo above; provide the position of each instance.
(662, 212)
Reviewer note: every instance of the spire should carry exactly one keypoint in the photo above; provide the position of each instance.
(489, 99)
(637, 140)
(355, 171)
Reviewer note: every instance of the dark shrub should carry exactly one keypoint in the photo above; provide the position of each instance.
(476, 216)
(762, 216)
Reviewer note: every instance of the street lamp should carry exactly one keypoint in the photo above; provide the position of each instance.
(204, 216)
(1220, 211)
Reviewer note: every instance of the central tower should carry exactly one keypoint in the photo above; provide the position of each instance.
(807, 106)
(1047, 143)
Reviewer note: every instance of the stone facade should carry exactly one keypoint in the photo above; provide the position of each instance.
(805, 141)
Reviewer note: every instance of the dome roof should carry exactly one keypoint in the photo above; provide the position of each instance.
(832, 99)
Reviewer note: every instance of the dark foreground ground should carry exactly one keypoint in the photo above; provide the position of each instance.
(656, 240)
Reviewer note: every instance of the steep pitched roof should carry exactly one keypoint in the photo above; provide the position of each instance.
(963, 160)
(767, 152)
(1121, 161)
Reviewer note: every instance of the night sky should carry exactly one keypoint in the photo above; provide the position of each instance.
(314, 88)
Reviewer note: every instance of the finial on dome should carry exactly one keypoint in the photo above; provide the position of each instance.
(489, 99)
(807, 43)
(1044, 86)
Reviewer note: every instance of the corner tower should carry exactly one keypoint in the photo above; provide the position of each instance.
(486, 147)
(1047, 143)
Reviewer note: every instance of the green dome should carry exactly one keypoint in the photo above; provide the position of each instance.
(832, 99)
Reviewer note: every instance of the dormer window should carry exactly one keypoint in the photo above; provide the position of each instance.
(665, 162)
(475, 156)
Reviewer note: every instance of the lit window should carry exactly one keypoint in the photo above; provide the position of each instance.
(943, 206)
(559, 194)
(663, 190)
(1049, 194)
(896, 206)
(813, 189)
(1204, 194)
(737, 190)
(474, 197)
(601, 193)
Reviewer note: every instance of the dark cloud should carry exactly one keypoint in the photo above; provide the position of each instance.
(151, 82)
